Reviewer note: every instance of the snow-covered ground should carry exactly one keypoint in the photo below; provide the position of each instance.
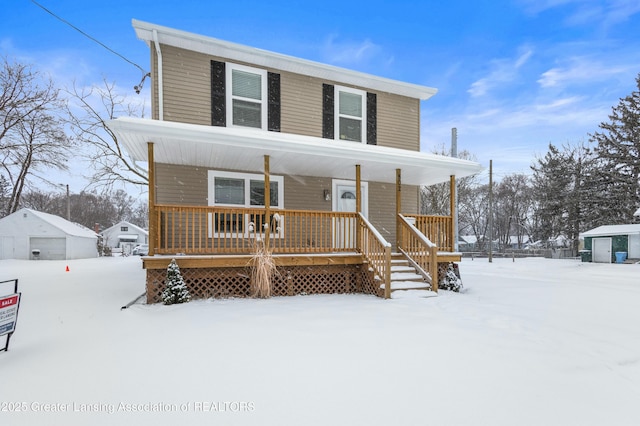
(530, 342)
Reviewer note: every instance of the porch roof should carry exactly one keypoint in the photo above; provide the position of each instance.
(244, 150)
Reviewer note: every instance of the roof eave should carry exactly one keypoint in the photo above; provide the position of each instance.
(243, 149)
(278, 61)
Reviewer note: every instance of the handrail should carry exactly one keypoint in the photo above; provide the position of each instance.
(419, 249)
(377, 251)
(231, 230)
(437, 228)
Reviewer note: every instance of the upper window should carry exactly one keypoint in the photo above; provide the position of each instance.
(124, 229)
(246, 96)
(350, 114)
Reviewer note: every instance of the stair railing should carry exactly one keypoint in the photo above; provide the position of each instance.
(420, 251)
(377, 251)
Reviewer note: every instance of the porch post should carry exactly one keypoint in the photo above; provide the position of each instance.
(152, 200)
(358, 209)
(398, 207)
(267, 202)
(452, 203)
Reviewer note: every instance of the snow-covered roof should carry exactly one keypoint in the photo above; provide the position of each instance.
(637, 213)
(244, 149)
(64, 225)
(241, 53)
(469, 239)
(513, 239)
(125, 223)
(606, 230)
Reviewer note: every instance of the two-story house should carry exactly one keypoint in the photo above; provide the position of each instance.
(321, 163)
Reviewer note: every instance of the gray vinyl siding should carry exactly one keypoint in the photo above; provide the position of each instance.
(301, 104)
(181, 185)
(187, 99)
(398, 121)
(186, 86)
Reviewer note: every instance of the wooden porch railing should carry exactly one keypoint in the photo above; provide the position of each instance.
(222, 230)
(377, 251)
(438, 229)
(419, 249)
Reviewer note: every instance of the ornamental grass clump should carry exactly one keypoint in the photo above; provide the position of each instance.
(263, 268)
(176, 290)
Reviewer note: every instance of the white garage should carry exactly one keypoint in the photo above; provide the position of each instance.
(29, 234)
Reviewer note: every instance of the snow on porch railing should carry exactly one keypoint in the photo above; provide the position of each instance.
(419, 249)
(226, 230)
(377, 251)
(438, 229)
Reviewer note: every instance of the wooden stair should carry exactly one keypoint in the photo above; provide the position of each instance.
(405, 281)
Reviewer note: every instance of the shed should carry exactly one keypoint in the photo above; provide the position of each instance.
(124, 235)
(605, 241)
(30, 234)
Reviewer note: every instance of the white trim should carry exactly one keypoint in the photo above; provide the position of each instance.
(362, 118)
(222, 148)
(248, 177)
(266, 59)
(212, 174)
(229, 67)
(364, 188)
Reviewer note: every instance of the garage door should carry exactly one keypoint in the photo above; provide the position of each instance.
(602, 250)
(50, 248)
(634, 246)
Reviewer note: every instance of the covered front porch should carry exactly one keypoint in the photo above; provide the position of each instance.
(315, 251)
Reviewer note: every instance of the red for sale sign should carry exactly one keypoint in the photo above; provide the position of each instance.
(9, 313)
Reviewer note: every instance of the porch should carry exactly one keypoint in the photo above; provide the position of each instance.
(327, 251)
(314, 251)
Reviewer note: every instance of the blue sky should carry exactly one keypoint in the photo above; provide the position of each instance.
(512, 75)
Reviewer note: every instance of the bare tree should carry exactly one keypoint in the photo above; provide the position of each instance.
(89, 110)
(434, 199)
(31, 134)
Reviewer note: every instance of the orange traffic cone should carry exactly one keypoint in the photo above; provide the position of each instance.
(67, 270)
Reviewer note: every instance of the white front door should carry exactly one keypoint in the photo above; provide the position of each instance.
(344, 200)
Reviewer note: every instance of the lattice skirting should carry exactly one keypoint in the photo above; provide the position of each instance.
(205, 283)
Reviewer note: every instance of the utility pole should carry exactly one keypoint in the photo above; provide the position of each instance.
(454, 194)
(490, 211)
(68, 205)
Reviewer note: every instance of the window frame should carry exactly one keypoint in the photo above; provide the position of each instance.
(264, 94)
(247, 177)
(337, 115)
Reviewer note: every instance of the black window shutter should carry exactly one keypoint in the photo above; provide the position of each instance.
(372, 119)
(327, 111)
(218, 95)
(273, 113)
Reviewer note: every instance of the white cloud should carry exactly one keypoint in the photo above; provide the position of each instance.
(604, 13)
(341, 52)
(503, 71)
(580, 70)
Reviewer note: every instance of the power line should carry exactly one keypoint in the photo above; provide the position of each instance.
(90, 37)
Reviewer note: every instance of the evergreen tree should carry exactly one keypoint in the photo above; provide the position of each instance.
(564, 184)
(618, 151)
(175, 288)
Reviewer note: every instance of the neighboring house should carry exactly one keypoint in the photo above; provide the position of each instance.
(246, 145)
(518, 241)
(124, 235)
(29, 234)
(468, 243)
(605, 241)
